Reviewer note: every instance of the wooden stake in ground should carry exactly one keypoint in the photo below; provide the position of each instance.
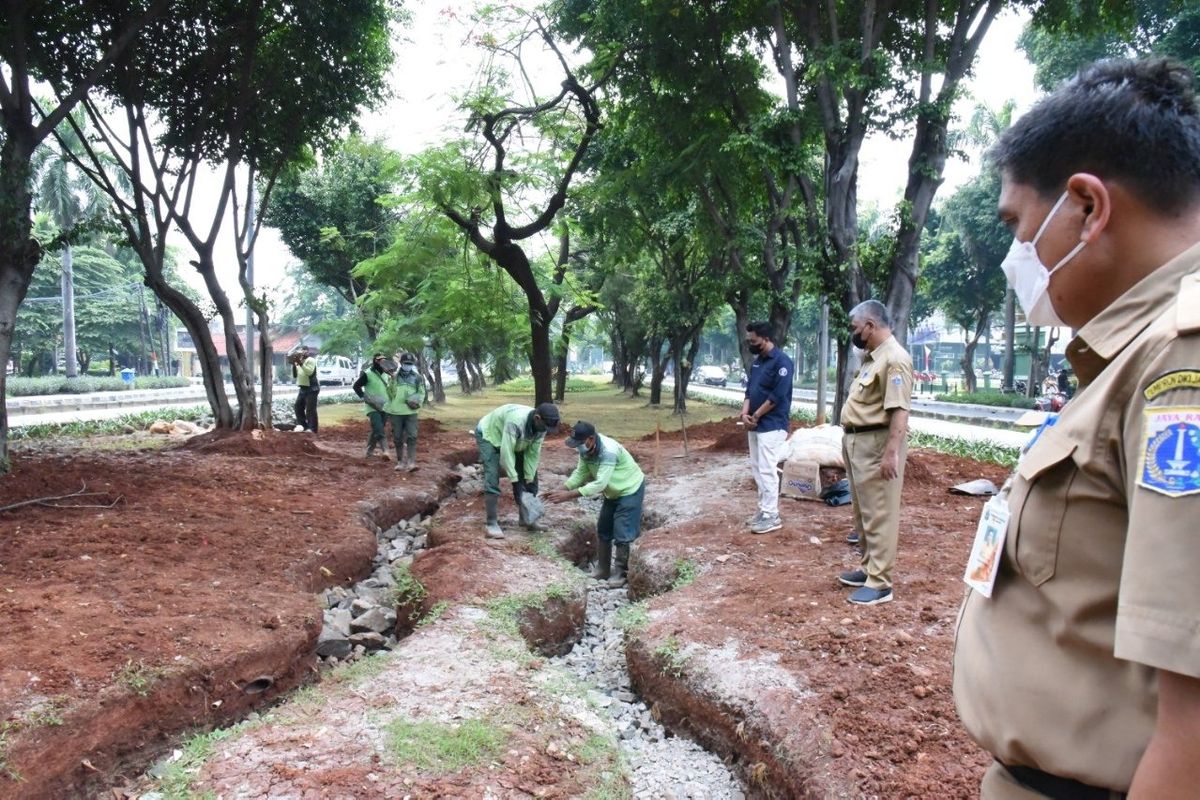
(683, 427)
(657, 445)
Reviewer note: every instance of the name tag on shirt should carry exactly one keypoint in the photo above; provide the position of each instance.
(984, 562)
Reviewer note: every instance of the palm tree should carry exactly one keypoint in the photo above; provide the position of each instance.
(70, 198)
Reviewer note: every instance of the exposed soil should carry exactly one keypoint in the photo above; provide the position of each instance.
(186, 603)
(196, 588)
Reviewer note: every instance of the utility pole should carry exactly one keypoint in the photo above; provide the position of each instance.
(68, 312)
(822, 359)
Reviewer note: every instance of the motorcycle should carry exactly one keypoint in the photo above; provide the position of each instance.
(1052, 402)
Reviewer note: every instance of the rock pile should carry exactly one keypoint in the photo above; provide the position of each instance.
(661, 765)
(471, 483)
(361, 619)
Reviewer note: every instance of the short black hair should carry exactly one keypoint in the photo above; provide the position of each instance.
(1134, 122)
(761, 329)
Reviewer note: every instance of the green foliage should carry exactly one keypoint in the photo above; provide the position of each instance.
(685, 573)
(408, 590)
(671, 659)
(633, 617)
(434, 614)
(524, 386)
(505, 612)
(989, 398)
(139, 677)
(178, 777)
(6, 766)
(966, 448)
(27, 387)
(445, 748)
(106, 427)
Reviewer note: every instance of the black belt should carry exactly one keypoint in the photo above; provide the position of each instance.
(1059, 788)
(863, 428)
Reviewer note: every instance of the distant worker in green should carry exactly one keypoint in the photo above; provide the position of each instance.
(510, 438)
(606, 468)
(376, 389)
(402, 409)
(304, 370)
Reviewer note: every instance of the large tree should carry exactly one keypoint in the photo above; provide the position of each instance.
(248, 89)
(506, 187)
(72, 47)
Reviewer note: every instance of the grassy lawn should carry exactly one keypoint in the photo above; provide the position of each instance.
(608, 409)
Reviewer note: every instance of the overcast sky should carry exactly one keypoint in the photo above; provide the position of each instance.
(435, 62)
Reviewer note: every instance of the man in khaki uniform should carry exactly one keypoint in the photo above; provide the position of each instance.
(875, 419)
(1081, 672)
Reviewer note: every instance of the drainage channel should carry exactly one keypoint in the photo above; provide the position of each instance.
(662, 765)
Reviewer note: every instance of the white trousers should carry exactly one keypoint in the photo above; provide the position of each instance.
(765, 450)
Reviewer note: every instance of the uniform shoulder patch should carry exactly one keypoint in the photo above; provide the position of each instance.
(897, 380)
(1170, 462)
(783, 371)
(1176, 379)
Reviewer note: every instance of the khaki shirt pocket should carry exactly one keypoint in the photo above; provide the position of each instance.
(1038, 504)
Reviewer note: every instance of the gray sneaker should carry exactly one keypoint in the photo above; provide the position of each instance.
(767, 524)
(752, 521)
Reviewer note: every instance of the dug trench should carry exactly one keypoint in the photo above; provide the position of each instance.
(512, 660)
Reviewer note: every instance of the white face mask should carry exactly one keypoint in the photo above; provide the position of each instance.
(1029, 277)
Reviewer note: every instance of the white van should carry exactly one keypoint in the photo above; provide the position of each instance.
(335, 371)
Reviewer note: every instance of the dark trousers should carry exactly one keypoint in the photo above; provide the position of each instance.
(621, 518)
(378, 420)
(306, 407)
(404, 429)
(489, 456)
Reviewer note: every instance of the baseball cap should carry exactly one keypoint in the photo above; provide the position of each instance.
(549, 414)
(581, 433)
(408, 358)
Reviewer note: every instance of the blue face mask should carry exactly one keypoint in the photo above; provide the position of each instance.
(407, 368)
(582, 449)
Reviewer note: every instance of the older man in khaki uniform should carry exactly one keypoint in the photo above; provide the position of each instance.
(1081, 672)
(875, 419)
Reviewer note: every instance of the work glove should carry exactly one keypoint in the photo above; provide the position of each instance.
(413, 403)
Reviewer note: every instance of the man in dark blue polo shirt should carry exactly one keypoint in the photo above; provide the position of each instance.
(765, 412)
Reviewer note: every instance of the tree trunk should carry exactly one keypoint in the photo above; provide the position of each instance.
(19, 253)
(658, 366)
(243, 382)
(70, 350)
(967, 362)
(560, 363)
(464, 380)
(1010, 330)
(683, 368)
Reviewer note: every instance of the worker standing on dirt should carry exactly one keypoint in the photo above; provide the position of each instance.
(402, 409)
(607, 468)
(304, 370)
(1077, 663)
(875, 421)
(766, 412)
(376, 389)
(510, 438)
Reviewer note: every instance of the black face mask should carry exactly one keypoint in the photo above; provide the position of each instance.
(858, 341)
(756, 349)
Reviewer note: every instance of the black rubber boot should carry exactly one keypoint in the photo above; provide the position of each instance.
(603, 560)
(620, 565)
(491, 502)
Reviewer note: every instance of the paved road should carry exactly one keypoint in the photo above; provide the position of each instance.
(50, 409)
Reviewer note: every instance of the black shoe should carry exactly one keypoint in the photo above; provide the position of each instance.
(852, 538)
(854, 578)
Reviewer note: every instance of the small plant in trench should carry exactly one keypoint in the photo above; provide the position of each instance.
(434, 614)
(671, 658)
(685, 573)
(407, 590)
(177, 779)
(48, 713)
(445, 748)
(505, 611)
(6, 767)
(633, 617)
(138, 676)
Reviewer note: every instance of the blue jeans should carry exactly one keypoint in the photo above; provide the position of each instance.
(621, 519)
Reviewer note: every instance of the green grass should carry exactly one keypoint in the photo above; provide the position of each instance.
(139, 677)
(987, 397)
(407, 590)
(671, 657)
(602, 755)
(503, 612)
(441, 748)
(6, 766)
(988, 452)
(58, 384)
(524, 385)
(107, 427)
(434, 614)
(633, 617)
(177, 779)
(685, 573)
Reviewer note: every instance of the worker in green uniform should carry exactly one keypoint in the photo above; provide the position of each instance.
(376, 389)
(402, 410)
(304, 370)
(606, 468)
(510, 438)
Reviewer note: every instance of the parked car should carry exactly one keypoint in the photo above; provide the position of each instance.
(712, 376)
(335, 371)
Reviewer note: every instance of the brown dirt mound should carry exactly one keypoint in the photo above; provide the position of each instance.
(917, 471)
(356, 430)
(706, 430)
(252, 444)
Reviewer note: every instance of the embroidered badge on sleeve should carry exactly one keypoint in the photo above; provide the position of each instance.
(1178, 379)
(1170, 461)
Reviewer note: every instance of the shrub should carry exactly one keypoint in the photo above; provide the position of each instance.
(989, 398)
(524, 385)
(58, 384)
